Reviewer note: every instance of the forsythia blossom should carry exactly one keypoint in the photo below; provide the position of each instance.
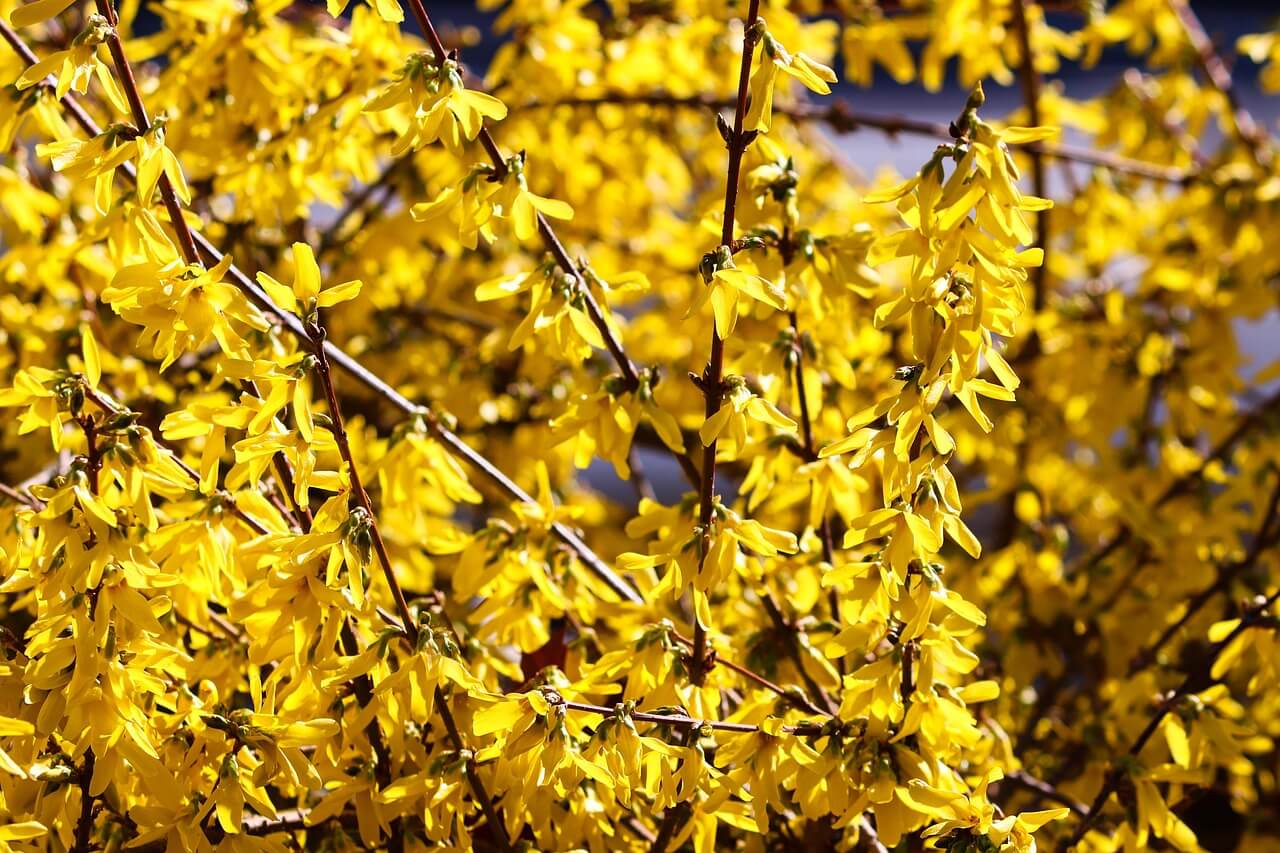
(568, 446)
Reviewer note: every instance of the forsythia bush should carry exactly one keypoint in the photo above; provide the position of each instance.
(586, 455)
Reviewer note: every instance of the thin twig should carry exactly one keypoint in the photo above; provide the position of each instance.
(1044, 789)
(20, 498)
(798, 700)
(810, 448)
(1141, 85)
(685, 722)
(791, 641)
(873, 837)
(356, 202)
(1265, 538)
(1254, 618)
(1039, 186)
(844, 119)
(339, 430)
(1215, 71)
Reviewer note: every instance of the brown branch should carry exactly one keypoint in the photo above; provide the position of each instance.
(910, 650)
(641, 831)
(1254, 617)
(20, 498)
(362, 686)
(325, 372)
(1045, 790)
(167, 194)
(842, 118)
(84, 823)
(1251, 420)
(1265, 538)
(1215, 71)
(93, 449)
(713, 375)
(684, 722)
(323, 352)
(872, 837)
(289, 820)
(125, 72)
(408, 626)
(705, 479)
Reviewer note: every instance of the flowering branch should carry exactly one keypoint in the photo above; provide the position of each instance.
(712, 380)
(1267, 535)
(407, 623)
(370, 380)
(629, 373)
(143, 124)
(1251, 420)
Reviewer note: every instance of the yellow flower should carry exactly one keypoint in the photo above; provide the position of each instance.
(729, 423)
(75, 66)
(181, 307)
(514, 202)
(604, 424)
(972, 817)
(441, 106)
(469, 202)
(557, 309)
(726, 284)
(96, 158)
(305, 296)
(155, 159)
(774, 58)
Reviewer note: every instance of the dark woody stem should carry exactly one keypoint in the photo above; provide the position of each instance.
(842, 118)
(713, 375)
(408, 625)
(143, 124)
(1195, 681)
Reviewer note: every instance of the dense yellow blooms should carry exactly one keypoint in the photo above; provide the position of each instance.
(400, 458)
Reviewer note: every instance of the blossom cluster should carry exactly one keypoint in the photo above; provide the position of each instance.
(580, 453)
